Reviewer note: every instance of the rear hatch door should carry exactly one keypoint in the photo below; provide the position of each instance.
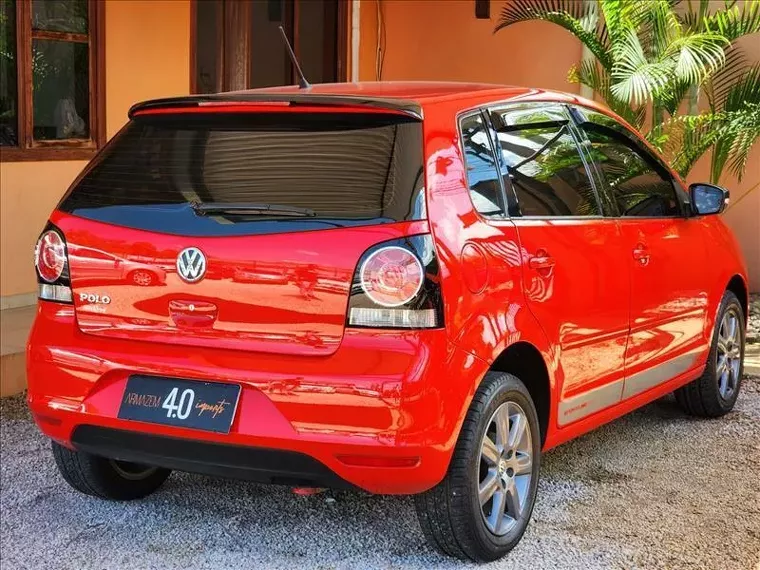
(238, 230)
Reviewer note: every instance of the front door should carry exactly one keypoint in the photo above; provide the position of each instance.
(668, 296)
(576, 280)
(237, 43)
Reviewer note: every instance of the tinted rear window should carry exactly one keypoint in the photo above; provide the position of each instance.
(348, 169)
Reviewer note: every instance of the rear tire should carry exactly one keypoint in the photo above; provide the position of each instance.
(714, 393)
(107, 478)
(492, 455)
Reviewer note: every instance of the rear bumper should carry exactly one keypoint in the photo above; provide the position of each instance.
(216, 459)
(382, 413)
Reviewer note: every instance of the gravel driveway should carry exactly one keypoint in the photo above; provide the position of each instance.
(655, 489)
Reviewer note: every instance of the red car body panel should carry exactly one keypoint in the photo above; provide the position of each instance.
(638, 295)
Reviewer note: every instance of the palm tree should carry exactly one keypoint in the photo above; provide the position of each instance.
(662, 55)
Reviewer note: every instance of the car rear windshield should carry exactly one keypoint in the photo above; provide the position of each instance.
(177, 172)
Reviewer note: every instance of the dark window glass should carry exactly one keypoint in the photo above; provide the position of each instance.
(544, 166)
(60, 90)
(637, 184)
(60, 16)
(482, 173)
(8, 87)
(349, 169)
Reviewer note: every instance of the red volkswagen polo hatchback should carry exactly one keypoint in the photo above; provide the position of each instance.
(397, 287)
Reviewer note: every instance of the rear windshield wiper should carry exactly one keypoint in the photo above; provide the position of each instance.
(243, 209)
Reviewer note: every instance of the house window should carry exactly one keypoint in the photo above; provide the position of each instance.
(51, 79)
(236, 44)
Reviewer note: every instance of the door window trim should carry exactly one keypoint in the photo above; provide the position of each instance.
(492, 111)
(633, 141)
(495, 155)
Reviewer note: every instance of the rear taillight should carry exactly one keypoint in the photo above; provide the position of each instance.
(396, 286)
(51, 263)
(391, 276)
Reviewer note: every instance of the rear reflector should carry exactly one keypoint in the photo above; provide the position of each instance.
(392, 318)
(60, 293)
(378, 461)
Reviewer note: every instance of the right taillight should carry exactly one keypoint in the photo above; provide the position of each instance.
(396, 285)
(51, 263)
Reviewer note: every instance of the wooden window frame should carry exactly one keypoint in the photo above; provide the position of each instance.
(66, 149)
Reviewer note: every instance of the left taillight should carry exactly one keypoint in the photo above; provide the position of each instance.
(52, 265)
(396, 286)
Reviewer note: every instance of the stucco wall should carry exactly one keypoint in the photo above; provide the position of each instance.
(147, 55)
(427, 40)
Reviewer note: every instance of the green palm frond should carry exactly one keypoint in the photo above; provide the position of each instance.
(694, 19)
(696, 56)
(659, 54)
(689, 137)
(584, 23)
(655, 22)
(742, 125)
(591, 74)
(735, 22)
(673, 95)
(635, 78)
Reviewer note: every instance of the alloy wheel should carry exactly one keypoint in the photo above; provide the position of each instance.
(505, 468)
(142, 278)
(729, 356)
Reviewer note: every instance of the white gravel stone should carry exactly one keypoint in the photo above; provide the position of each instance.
(655, 489)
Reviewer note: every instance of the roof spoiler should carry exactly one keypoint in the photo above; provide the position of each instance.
(408, 108)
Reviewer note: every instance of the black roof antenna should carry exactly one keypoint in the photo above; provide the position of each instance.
(302, 82)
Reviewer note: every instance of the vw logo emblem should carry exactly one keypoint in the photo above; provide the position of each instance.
(191, 264)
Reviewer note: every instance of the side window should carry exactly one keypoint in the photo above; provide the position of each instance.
(544, 166)
(482, 173)
(638, 184)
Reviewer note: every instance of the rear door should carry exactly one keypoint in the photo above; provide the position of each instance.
(257, 220)
(668, 294)
(576, 279)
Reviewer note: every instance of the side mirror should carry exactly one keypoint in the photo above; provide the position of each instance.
(708, 199)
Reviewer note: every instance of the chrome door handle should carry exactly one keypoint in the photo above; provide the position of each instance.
(641, 254)
(541, 262)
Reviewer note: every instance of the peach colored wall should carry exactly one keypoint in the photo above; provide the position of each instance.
(147, 55)
(444, 41)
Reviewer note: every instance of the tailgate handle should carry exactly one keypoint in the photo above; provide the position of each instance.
(193, 314)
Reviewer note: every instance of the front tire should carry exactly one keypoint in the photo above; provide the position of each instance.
(714, 393)
(482, 507)
(107, 478)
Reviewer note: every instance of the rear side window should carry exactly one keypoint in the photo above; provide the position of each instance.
(342, 168)
(543, 163)
(482, 173)
(636, 182)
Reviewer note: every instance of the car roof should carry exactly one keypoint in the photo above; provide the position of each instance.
(407, 97)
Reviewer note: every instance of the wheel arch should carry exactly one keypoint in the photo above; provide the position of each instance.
(524, 360)
(738, 287)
